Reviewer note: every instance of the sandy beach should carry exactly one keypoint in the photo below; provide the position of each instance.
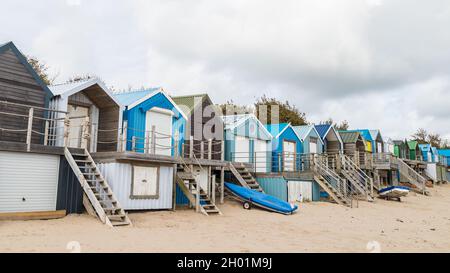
(418, 224)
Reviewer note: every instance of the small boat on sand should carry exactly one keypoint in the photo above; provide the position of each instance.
(394, 192)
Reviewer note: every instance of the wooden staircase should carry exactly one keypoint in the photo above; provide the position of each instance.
(244, 176)
(413, 177)
(359, 179)
(188, 184)
(332, 183)
(97, 190)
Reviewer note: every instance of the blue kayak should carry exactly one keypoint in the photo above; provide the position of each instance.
(260, 199)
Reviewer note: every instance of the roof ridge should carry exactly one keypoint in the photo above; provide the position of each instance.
(120, 92)
(193, 95)
(74, 82)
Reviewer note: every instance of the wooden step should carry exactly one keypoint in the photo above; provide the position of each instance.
(118, 217)
(116, 224)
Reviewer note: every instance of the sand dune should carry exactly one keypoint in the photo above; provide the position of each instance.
(418, 224)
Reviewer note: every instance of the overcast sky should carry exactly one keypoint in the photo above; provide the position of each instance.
(378, 64)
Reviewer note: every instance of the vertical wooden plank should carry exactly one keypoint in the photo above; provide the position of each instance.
(222, 184)
(133, 143)
(66, 131)
(209, 149)
(147, 142)
(46, 133)
(30, 128)
(191, 147)
(124, 135)
(202, 149)
(222, 150)
(153, 139)
(213, 188)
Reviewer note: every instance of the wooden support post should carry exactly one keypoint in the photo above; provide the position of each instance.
(222, 150)
(147, 142)
(46, 133)
(197, 197)
(133, 143)
(30, 128)
(85, 134)
(209, 149)
(191, 147)
(209, 186)
(153, 140)
(174, 187)
(222, 184)
(213, 188)
(66, 131)
(202, 149)
(124, 136)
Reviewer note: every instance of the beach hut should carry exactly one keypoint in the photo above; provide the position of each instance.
(389, 146)
(401, 149)
(377, 141)
(286, 147)
(444, 159)
(426, 152)
(35, 179)
(414, 151)
(247, 141)
(311, 140)
(368, 141)
(21, 85)
(204, 127)
(153, 122)
(332, 142)
(354, 144)
(94, 114)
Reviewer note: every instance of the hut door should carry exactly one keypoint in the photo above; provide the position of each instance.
(77, 116)
(261, 161)
(161, 121)
(313, 146)
(288, 155)
(242, 150)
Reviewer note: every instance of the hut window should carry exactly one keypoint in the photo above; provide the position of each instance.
(145, 183)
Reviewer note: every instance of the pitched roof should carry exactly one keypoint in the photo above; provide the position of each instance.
(425, 147)
(349, 136)
(374, 134)
(134, 98)
(277, 129)
(23, 60)
(323, 129)
(232, 122)
(191, 102)
(434, 150)
(68, 89)
(365, 133)
(412, 144)
(304, 130)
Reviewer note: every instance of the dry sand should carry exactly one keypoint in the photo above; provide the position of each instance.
(418, 224)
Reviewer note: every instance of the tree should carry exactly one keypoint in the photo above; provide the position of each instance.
(41, 69)
(435, 140)
(420, 136)
(230, 108)
(343, 126)
(272, 110)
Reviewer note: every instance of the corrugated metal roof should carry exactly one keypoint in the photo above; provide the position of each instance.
(365, 133)
(303, 131)
(412, 144)
(276, 129)
(129, 98)
(322, 129)
(444, 152)
(191, 101)
(59, 89)
(349, 136)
